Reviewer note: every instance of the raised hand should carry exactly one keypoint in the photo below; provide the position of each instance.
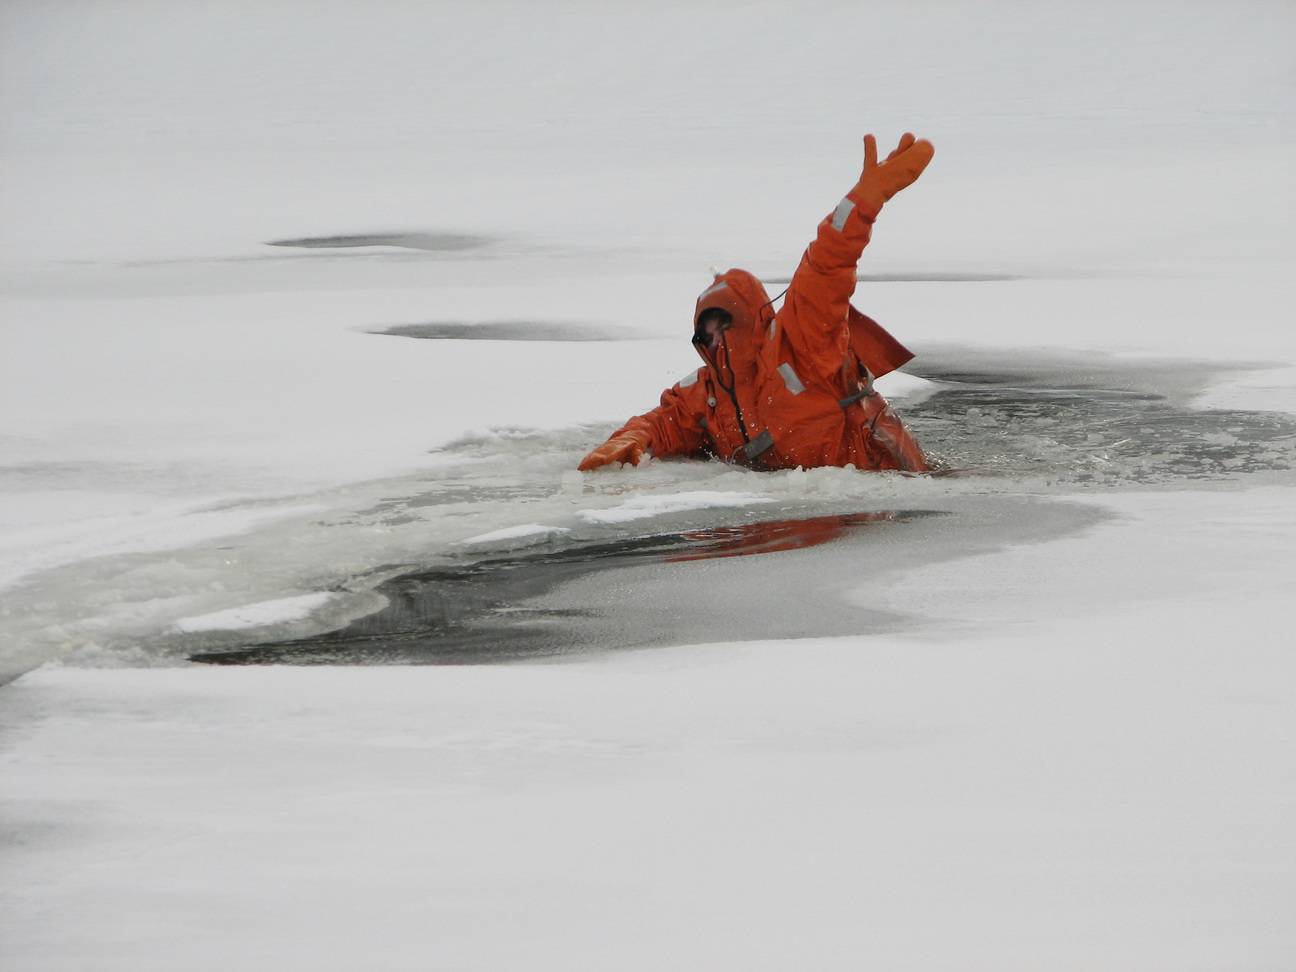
(878, 182)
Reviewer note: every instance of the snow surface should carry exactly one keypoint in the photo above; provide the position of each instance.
(1063, 735)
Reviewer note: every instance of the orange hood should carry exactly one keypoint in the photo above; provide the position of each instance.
(743, 296)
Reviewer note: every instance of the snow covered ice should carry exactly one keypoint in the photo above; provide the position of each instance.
(308, 313)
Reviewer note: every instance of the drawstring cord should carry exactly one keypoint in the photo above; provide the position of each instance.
(770, 303)
(730, 389)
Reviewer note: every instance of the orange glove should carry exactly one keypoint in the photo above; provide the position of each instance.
(629, 446)
(878, 183)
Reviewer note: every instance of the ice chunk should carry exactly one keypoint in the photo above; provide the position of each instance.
(257, 615)
(515, 533)
(641, 507)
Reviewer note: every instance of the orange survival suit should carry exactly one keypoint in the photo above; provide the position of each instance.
(792, 388)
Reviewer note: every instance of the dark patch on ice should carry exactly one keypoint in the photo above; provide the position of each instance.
(1085, 420)
(487, 610)
(505, 331)
(916, 277)
(937, 277)
(435, 242)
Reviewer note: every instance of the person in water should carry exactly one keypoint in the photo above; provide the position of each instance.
(778, 390)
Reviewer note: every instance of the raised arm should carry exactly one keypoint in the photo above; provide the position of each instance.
(673, 428)
(823, 284)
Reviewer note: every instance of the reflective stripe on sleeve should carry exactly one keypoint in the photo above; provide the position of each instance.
(773, 329)
(790, 378)
(841, 213)
(689, 379)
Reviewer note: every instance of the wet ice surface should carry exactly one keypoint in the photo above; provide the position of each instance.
(434, 242)
(503, 331)
(1006, 439)
(504, 607)
(1090, 421)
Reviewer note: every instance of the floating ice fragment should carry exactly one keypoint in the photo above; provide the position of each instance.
(641, 507)
(516, 533)
(257, 615)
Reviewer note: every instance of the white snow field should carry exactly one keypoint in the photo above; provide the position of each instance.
(1038, 712)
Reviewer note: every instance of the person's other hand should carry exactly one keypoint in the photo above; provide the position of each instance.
(626, 447)
(880, 181)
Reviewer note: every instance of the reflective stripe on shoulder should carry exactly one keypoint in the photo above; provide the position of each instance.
(791, 378)
(841, 213)
(689, 379)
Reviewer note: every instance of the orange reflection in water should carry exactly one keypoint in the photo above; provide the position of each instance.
(771, 536)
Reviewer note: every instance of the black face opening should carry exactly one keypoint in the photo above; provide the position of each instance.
(710, 324)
